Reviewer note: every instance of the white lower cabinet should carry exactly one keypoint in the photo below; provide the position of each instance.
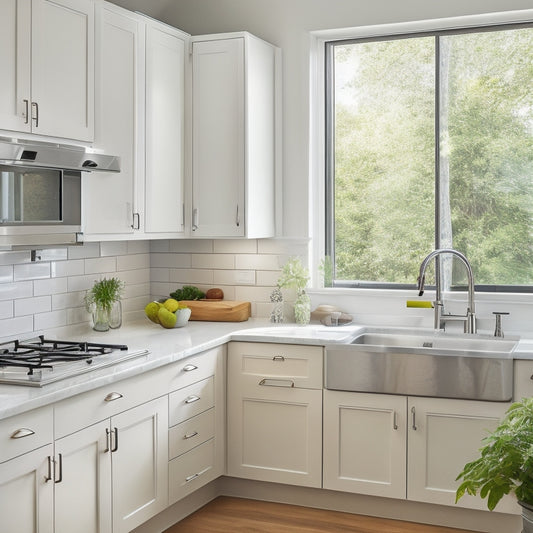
(368, 437)
(365, 443)
(27, 493)
(112, 476)
(275, 413)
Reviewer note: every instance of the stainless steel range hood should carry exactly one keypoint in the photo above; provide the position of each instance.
(55, 156)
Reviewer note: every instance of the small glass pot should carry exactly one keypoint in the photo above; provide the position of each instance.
(115, 315)
(302, 308)
(100, 317)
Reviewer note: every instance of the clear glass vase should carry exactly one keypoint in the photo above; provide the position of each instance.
(302, 308)
(115, 315)
(100, 317)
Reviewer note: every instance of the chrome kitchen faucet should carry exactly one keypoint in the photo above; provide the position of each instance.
(440, 317)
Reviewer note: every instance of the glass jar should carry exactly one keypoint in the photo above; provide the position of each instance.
(115, 315)
(302, 308)
(100, 316)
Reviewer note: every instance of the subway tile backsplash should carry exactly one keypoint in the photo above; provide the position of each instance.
(48, 292)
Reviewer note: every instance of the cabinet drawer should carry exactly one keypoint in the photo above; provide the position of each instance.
(523, 379)
(190, 401)
(279, 364)
(25, 432)
(191, 470)
(193, 369)
(191, 433)
(93, 406)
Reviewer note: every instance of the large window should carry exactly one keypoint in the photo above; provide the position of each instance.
(430, 145)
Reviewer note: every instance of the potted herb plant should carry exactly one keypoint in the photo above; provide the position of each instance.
(103, 301)
(295, 276)
(506, 463)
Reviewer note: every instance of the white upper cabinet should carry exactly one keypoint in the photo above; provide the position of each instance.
(47, 61)
(233, 129)
(165, 84)
(109, 198)
(140, 83)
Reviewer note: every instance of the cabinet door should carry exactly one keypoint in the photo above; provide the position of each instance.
(15, 50)
(443, 436)
(140, 464)
(218, 166)
(83, 492)
(165, 86)
(365, 443)
(26, 493)
(63, 68)
(109, 198)
(275, 436)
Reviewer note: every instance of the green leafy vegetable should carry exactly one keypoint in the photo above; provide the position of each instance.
(506, 462)
(187, 292)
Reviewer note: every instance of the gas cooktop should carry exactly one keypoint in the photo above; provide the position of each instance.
(37, 362)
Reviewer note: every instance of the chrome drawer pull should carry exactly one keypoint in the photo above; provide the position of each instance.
(278, 358)
(413, 412)
(395, 420)
(288, 383)
(192, 399)
(112, 396)
(189, 368)
(190, 435)
(190, 478)
(21, 433)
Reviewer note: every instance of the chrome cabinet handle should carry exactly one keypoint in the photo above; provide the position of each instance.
(237, 217)
(136, 224)
(48, 477)
(26, 110)
(35, 106)
(288, 383)
(190, 435)
(115, 447)
(413, 414)
(107, 448)
(192, 399)
(189, 368)
(190, 478)
(21, 433)
(60, 463)
(395, 420)
(195, 219)
(278, 358)
(112, 396)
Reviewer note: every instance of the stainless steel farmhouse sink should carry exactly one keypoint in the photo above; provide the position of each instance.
(440, 365)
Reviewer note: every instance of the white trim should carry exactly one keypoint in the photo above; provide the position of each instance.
(317, 96)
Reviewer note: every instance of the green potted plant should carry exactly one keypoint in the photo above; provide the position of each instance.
(506, 463)
(103, 301)
(295, 276)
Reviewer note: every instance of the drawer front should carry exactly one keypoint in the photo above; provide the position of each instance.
(25, 432)
(191, 471)
(93, 406)
(193, 369)
(280, 364)
(523, 379)
(191, 401)
(191, 433)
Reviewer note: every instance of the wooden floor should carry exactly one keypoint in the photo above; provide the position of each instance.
(232, 515)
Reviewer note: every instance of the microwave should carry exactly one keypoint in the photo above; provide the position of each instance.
(40, 192)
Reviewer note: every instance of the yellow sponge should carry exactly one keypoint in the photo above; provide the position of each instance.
(419, 303)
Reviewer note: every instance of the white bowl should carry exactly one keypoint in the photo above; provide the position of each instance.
(182, 317)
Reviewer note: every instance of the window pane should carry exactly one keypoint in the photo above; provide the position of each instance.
(384, 162)
(487, 153)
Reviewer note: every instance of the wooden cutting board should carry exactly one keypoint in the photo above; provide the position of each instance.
(219, 310)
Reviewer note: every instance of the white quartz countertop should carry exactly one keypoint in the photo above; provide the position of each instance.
(168, 345)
